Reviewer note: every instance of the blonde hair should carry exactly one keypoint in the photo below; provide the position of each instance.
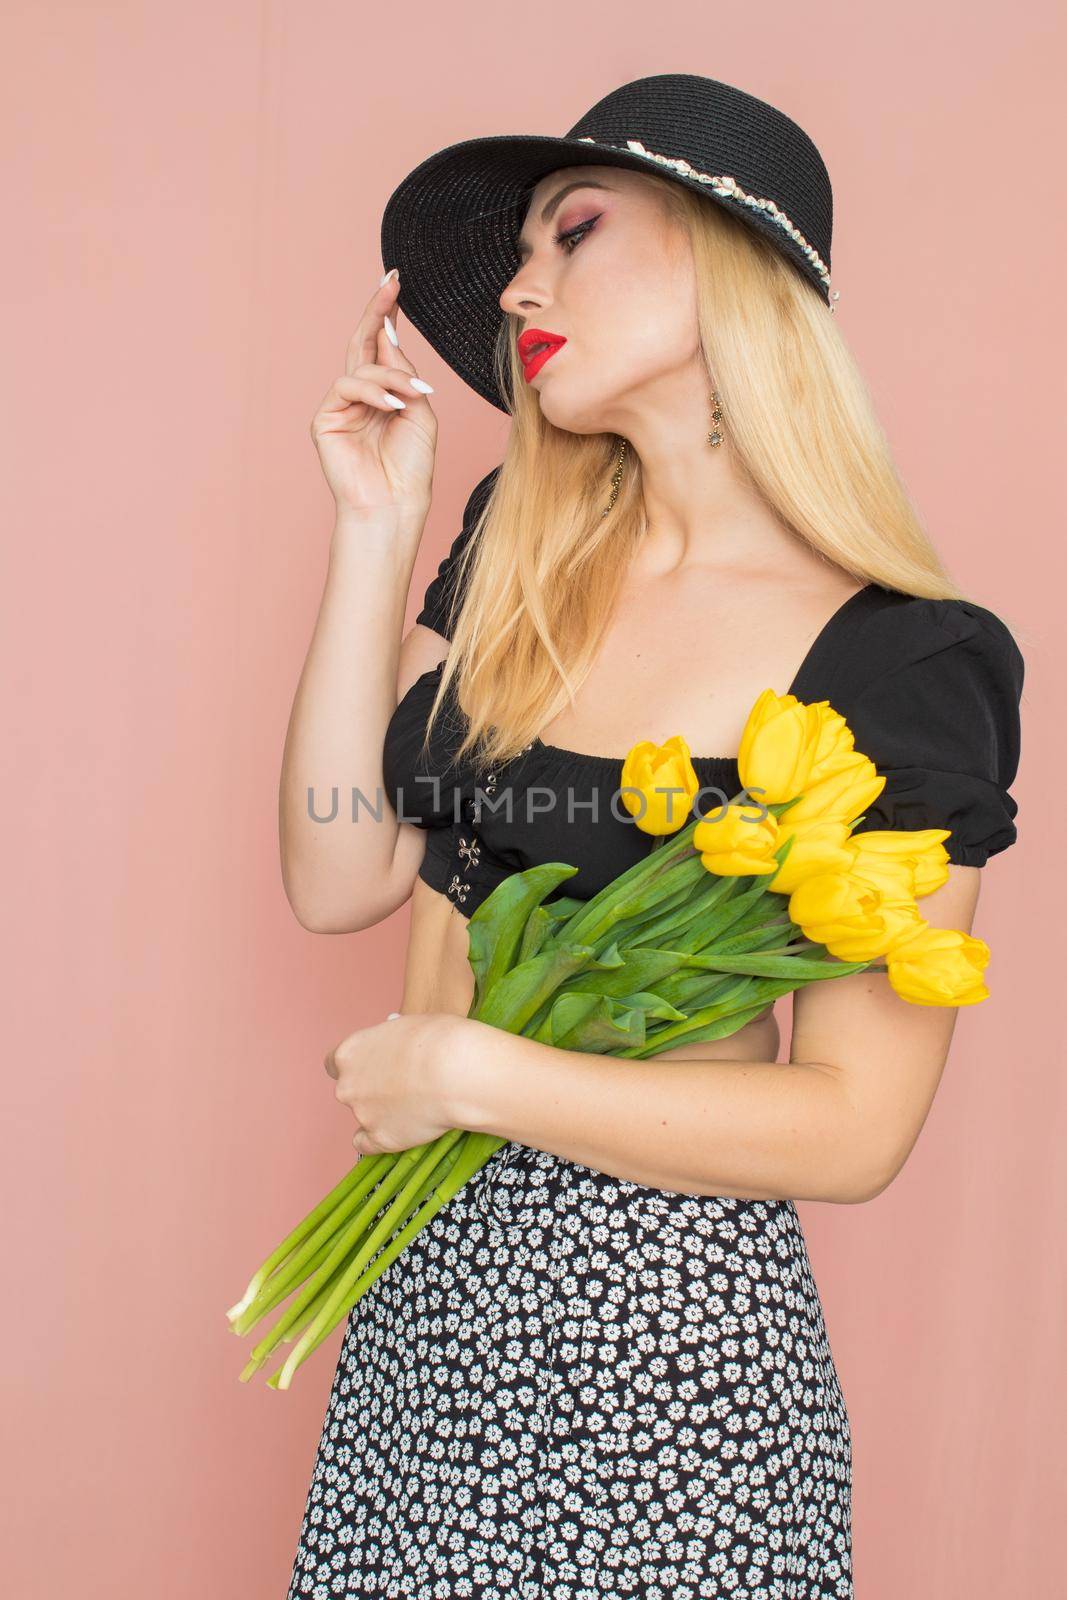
(542, 568)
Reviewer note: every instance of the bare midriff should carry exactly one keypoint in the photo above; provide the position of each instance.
(438, 977)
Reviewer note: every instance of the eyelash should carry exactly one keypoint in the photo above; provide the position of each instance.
(578, 231)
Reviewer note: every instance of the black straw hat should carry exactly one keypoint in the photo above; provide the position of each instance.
(450, 226)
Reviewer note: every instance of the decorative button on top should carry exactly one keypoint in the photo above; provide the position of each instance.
(469, 848)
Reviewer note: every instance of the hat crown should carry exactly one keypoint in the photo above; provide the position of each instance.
(721, 130)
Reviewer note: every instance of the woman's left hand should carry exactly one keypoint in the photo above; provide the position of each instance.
(394, 1077)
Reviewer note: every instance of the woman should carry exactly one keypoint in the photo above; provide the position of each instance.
(602, 1369)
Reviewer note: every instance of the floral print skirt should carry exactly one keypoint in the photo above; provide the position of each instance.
(571, 1386)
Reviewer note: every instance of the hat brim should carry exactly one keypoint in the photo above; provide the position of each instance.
(450, 227)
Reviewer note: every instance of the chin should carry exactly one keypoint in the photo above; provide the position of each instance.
(573, 415)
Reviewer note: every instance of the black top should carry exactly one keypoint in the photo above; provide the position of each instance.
(930, 688)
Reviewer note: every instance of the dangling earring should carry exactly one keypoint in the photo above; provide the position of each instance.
(715, 436)
(616, 477)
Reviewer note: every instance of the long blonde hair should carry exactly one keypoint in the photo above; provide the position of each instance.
(542, 568)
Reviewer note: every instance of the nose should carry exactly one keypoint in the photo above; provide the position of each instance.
(524, 293)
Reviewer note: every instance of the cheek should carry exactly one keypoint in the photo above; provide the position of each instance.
(639, 324)
(650, 343)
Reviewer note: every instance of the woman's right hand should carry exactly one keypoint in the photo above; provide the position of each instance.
(375, 455)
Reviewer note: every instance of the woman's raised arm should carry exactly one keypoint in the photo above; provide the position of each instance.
(376, 435)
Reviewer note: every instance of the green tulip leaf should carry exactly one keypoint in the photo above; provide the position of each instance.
(517, 996)
(538, 927)
(716, 1022)
(767, 965)
(639, 969)
(496, 927)
(595, 1024)
(775, 935)
(562, 908)
(653, 1005)
(639, 890)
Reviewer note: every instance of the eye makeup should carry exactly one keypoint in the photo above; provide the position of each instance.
(577, 233)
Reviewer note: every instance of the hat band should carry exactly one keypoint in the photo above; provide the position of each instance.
(728, 186)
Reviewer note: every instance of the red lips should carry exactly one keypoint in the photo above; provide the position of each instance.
(535, 346)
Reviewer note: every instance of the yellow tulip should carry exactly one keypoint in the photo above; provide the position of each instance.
(939, 967)
(835, 739)
(735, 845)
(819, 846)
(843, 790)
(892, 875)
(932, 863)
(902, 919)
(840, 912)
(778, 747)
(649, 767)
(920, 849)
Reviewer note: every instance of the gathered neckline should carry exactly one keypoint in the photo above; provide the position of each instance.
(617, 761)
(814, 650)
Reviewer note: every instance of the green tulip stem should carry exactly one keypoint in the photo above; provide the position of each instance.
(470, 1155)
(601, 912)
(324, 1208)
(268, 1298)
(424, 1158)
(649, 869)
(406, 1183)
(294, 1268)
(325, 1287)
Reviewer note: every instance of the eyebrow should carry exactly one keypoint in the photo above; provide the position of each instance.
(549, 208)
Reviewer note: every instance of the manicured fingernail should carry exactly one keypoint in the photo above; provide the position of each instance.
(422, 386)
(391, 1015)
(391, 331)
(384, 279)
(394, 400)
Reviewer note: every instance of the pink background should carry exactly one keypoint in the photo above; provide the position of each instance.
(192, 201)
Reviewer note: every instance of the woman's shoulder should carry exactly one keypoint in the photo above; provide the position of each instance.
(943, 673)
(898, 631)
(931, 690)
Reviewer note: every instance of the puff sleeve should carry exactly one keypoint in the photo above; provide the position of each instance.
(441, 601)
(933, 698)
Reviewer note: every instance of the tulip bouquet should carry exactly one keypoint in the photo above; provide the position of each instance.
(725, 913)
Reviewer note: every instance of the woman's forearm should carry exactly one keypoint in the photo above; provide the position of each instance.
(333, 745)
(756, 1130)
